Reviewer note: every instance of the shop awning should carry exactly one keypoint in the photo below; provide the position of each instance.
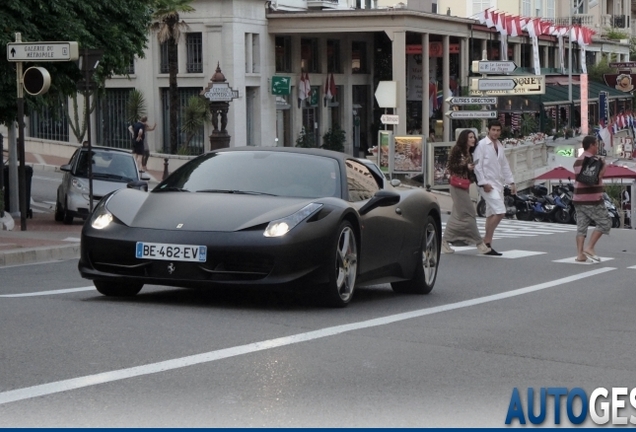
(558, 93)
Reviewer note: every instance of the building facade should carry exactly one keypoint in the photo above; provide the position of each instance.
(330, 54)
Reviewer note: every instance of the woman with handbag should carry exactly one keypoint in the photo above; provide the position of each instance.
(462, 224)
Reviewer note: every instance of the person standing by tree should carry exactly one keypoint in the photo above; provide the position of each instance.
(493, 172)
(589, 204)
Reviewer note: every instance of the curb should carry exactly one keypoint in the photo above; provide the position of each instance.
(39, 254)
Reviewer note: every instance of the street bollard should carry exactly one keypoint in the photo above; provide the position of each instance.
(165, 169)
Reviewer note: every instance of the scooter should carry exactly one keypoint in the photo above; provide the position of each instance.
(518, 206)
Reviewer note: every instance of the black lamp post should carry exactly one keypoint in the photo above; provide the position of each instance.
(87, 63)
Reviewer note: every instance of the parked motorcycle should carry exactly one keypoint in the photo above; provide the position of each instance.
(562, 195)
(518, 206)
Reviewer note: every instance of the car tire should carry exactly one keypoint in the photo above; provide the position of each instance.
(59, 212)
(67, 218)
(428, 263)
(118, 288)
(343, 267)
(481, 208)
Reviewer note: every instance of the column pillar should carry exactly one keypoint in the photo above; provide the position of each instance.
(399, 75)
(426, 77)
(446, 86)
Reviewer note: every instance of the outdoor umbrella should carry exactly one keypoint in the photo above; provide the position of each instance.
(557, 173)
(618, 171)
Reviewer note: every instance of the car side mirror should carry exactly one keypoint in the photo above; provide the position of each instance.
(138, 184)
(395, 182)
(66, 168)
(382, 198)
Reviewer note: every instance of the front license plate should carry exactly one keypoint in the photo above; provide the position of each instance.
(171, 252)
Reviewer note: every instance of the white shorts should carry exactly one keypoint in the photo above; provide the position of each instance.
(494, 201)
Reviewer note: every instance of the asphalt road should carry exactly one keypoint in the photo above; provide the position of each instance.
(213, 358)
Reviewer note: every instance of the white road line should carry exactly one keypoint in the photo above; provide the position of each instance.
(163, 366)
(44, 293)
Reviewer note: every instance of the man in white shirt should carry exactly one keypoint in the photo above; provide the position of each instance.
(493, 172)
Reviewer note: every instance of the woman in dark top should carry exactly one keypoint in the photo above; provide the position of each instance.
(462, 224)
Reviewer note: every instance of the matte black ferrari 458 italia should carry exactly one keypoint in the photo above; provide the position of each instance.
(285, 218)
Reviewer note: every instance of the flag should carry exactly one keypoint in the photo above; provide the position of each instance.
(304, 88)
(330, 89)
(606, 136)
(488, 18)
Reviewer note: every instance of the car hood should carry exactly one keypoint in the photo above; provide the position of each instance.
(200, 211)
(101, 187)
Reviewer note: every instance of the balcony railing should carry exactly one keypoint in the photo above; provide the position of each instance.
(615, 21)
(585, 20)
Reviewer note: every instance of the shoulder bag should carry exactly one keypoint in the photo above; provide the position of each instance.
(459, 182)
(590, 170)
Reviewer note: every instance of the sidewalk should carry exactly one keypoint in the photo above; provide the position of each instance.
(44, 239)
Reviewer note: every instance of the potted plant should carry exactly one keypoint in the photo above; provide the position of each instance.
(305, 140)
(334, 139)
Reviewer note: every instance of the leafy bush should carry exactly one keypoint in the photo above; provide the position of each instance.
(334, 139)
(305, 140)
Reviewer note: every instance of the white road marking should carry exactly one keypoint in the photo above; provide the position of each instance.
(571, 260)
(178, 363)
(52, 292)
(514, 254)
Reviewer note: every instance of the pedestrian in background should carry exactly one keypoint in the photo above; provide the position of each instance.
(589, 204)
(140, 143)
(462, 224)
(493, 172)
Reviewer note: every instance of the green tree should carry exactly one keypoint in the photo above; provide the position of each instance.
(119, 27)
(195, 115)
(135, 107)
(168, 26)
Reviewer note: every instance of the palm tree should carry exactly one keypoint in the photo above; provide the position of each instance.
(195, 115)
(135, 107)
(168, 27)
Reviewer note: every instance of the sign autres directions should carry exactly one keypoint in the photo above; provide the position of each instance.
(461, 100)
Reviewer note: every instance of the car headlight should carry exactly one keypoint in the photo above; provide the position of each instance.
(280, 227)
(76, 183)
(101, 217)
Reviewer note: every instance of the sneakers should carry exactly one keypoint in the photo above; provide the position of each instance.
(492, 251)
(446, 247)
(482, 248)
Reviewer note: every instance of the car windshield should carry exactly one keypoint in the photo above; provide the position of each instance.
(108, 166)
(257, 172)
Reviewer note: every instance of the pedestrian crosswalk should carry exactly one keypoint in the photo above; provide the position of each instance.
(513, 228)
